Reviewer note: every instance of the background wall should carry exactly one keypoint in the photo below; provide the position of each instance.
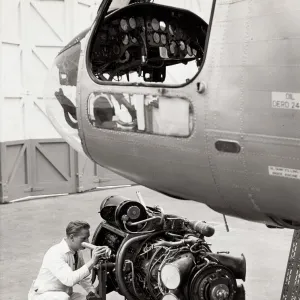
(34, 160)
(33, 31)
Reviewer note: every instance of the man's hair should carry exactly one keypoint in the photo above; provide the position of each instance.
(75, 227)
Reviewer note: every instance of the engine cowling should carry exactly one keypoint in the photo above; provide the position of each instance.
(161, 256)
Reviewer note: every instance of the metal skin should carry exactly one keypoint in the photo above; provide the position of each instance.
(253, 52)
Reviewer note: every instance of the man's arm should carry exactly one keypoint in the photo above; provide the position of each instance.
(86, 282)
(62, 271)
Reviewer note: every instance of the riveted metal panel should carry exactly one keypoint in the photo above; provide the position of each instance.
(248, 69)
(251, 66)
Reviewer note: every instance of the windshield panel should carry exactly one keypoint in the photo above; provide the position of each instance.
(157, 41)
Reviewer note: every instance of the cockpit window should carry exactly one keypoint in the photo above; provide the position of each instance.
(117, 4)
(141, 113)
(144, 41)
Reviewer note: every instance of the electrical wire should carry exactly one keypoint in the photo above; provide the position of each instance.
(133, 276)
(148, 274)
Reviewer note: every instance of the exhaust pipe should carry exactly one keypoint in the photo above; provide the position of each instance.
(236, 264)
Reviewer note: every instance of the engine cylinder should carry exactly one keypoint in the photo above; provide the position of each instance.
(170, 296)
(174, 273)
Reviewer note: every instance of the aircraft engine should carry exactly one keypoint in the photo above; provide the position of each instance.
(162, 256)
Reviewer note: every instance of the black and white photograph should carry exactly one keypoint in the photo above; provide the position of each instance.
(149, 149)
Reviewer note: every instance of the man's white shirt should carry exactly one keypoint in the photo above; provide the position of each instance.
(58, 272)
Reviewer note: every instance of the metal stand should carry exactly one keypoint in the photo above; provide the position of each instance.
(102, 278)
(291, 284)
(101, 288)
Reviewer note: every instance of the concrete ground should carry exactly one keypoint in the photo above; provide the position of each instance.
(29, 228)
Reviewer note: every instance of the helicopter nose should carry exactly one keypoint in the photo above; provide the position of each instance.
(60, 95)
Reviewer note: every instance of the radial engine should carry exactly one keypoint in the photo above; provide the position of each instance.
(155, 255)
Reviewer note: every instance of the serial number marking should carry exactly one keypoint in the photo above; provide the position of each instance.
(284, 172)
(286, 100)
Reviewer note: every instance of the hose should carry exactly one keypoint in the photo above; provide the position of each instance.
(133, 276)
(132, 232)
(179, 243)
(119, 265)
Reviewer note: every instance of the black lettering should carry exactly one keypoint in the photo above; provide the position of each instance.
(283, 104)
(289, 96)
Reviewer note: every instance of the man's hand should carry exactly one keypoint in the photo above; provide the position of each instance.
(92, 296)
(100, 252)
(97, 295)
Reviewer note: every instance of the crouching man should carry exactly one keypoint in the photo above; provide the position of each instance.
(63, 267)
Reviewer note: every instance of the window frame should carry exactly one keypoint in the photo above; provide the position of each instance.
(103, 8)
